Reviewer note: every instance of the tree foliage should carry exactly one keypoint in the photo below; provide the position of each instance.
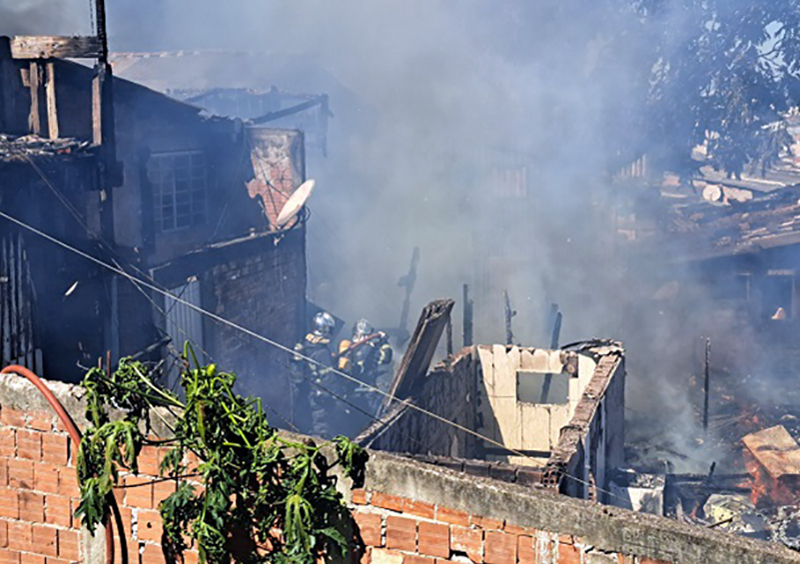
(253, 495)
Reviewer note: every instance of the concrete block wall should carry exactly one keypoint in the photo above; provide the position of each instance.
(407, 512)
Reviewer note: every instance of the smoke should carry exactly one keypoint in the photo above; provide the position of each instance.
(450, 103)
(42, 17)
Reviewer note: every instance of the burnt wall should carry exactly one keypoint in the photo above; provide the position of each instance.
(450, 391)
(258, 283)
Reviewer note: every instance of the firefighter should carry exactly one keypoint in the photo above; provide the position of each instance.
(365, 357)
(314, 379)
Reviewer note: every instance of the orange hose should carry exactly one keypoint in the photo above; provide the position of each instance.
(75, 435)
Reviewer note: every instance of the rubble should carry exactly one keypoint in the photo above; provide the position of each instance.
(20, 148)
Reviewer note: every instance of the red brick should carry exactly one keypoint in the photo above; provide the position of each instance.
(360, 496)
(68, 545)
(9, 557)
(149, 461)
(526, 550)
(370, 527)
(414, 559)
(41, 421)
(3, 472)
(568, 554)
(517, 530)
(3, 534)
(149, 528)
(20, 535)
(29, 445)
(55, 448)
(162, 490)
(12, 417)
(401, 533)
(434, 539)
(127, 522)
(467, 541)
(139, 492)
(9, 503)
(26, 558)
(501, 548)
(452, 516)
(191, 557)
(74, 502)
(153, 555)
(566, 539)
(45, 477)
(419, 508)
(131, 547)
(486, 523)
(387, 501)
(45, 540)
(68, 483)
(31, 506)
(58, 561)
(8, 442)
(20, 473)
(57, 510)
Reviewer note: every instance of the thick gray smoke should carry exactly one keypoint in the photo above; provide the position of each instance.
(442, 94)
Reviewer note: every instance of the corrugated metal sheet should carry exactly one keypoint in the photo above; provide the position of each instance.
(184, 323)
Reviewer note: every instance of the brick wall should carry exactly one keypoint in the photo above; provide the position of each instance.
(408, 512)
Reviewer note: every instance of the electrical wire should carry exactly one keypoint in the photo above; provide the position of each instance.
(286, 349)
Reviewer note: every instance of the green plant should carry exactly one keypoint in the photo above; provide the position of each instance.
(254, 496)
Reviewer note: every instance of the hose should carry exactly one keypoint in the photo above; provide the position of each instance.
(75, 435)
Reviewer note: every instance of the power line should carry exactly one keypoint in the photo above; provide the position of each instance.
(284, 348)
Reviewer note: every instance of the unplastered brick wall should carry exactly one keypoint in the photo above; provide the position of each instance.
(408, 512)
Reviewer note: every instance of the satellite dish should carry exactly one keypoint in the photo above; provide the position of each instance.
(295, 203)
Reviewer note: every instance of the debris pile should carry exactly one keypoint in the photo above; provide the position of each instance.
(20, 148)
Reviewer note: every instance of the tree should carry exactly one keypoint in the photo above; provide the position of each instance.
(723, 75)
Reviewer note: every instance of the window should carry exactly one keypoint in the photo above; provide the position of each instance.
(179, 183)
(535, 387)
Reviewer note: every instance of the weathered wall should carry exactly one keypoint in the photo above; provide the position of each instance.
(449, 390)
(260, 283)
(408, 512)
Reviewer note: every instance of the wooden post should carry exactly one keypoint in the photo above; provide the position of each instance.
(50, 91)
(706, 384)
(466, 329)
(449, 336)
(34, 118)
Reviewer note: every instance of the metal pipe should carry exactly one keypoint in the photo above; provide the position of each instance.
(75, 435)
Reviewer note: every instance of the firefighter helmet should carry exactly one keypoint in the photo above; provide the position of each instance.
(323, 324)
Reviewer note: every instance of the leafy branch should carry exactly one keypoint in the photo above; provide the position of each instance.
(254, 497)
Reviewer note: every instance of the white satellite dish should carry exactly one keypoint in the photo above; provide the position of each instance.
(295, 203)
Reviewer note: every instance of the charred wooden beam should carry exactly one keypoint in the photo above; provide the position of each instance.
(468, 315)
(34, 117)
(421, 349)
(55, 47)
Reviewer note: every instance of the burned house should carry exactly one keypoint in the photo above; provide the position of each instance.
(185, 204)
(547, 417)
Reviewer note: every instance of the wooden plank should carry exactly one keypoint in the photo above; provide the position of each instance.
(34, 117)
(775, 450)
(97, 109)
(55, 47)
(50, 90)
(419, 354)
